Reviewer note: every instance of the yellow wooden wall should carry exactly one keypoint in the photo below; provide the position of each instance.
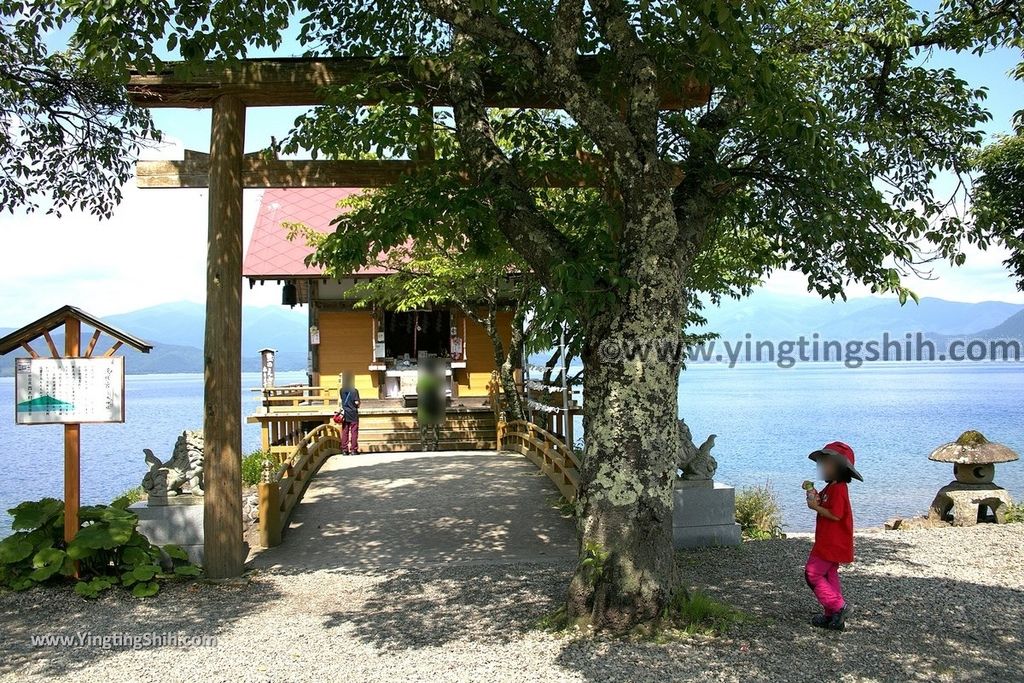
(346, 345)
(474, 378)
(346, 339)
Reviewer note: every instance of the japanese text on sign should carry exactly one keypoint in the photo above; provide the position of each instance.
(69, 390)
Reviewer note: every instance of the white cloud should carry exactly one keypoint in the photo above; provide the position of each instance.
(982, 278)
(152, 250)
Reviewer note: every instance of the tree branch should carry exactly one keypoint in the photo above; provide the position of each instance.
(636, 67)
(557, 68)
(523, 224)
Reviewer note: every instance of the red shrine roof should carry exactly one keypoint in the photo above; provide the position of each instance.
(271, 255)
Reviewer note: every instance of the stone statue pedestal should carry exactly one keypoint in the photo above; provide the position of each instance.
(962, 502)
(704, 514)
(173, 519)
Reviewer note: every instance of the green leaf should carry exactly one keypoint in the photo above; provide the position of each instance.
(175, 552)
(145, 590)
(104, 534)
(187, 570)
(47, 562)
(34, 514)
(77, 551)
(134, 555)
(21, 583)
(93, 587)
(15, 548)
(145, 572)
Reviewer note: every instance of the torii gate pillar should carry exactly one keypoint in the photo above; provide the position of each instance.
(224, 553)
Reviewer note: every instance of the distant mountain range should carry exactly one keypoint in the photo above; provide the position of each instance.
(872, 328)
(775, 317)
(176, 329)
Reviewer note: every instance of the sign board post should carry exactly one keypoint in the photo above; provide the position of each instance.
(70, 390)
(72, 442)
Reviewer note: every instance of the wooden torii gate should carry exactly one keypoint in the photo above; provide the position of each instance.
(228, 89)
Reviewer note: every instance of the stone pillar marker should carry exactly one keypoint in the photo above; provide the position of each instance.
(267, 363)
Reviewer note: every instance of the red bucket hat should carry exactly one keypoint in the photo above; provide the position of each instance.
(840, 453)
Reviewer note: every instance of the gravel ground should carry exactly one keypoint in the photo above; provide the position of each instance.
(944, 604)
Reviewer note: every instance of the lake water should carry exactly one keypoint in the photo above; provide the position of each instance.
(157, 409)
(893, 414)
(767, 419)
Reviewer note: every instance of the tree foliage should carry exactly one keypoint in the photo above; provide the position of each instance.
(67, 134)
(998, 198)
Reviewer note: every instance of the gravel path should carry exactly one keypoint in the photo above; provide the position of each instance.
(945, 604)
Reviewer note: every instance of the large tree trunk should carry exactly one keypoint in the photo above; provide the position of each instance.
(632, 360)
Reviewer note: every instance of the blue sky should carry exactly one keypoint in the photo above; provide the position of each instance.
(153, 250)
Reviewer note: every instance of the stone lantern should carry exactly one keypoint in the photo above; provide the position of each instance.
(973, 495)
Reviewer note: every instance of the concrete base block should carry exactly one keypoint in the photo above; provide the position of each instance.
(704, 516)
(181, 525)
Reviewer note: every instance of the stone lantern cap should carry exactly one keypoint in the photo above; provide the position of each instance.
(972, 448)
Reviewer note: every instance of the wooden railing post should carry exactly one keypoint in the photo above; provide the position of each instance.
(269, 509)
(545, 450)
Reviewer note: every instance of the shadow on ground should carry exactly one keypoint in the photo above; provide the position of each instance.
(378, 511)
(907, 624)
(437, 606)
(194, 609)
(903, 627)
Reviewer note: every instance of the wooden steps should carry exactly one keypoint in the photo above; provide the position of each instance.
(387, 426)
(399, 433)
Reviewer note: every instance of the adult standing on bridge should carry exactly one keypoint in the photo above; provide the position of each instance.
(348, 409)
(430, 402)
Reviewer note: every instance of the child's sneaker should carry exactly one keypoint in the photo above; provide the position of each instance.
(834, 622)
(838, 620)
(820, 620)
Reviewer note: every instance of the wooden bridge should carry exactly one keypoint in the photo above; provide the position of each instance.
(468, 504)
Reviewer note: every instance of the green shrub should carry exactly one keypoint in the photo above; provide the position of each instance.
(108, 548)
(127, 498)
(594, 562)
(1015, 514)
(697, 613)
(252, 467)
(758, 513)
(566, 508)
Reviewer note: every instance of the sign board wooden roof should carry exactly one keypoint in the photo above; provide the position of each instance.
(52, 321)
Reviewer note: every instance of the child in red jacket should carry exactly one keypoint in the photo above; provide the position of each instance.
(833, 532)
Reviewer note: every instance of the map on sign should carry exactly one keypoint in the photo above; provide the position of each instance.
(68, 390)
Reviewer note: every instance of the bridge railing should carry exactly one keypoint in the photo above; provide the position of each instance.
(546, 451)
(296, 398)
(281, 489)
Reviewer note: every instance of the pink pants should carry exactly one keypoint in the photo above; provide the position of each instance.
(823, 578)
(349, 437)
